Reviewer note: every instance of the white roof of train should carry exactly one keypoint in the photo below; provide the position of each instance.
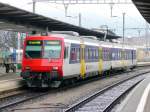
(73, 37)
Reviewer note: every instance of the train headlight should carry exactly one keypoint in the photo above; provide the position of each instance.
(27, 68)
(55, 68)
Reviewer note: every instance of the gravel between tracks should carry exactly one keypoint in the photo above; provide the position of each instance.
(60, 100)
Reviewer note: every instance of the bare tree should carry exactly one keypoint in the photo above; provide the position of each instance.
(7, 39)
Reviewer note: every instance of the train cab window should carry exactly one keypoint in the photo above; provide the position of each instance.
(52, 49)
(33, 49)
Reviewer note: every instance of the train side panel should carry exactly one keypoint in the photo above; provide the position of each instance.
(91, 57)
(71, 63)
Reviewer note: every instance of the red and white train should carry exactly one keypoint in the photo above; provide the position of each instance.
(49, 60)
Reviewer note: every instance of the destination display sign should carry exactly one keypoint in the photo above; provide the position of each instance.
(34, 42)
(52, 42)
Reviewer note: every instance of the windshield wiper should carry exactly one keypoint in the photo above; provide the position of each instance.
(28, 55)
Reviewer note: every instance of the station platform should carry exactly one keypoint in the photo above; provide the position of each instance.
(9, 81)
(138, 100)
(143, 64)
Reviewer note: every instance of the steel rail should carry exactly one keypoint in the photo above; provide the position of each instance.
(32, 97)
(81, 103)
(116, 101)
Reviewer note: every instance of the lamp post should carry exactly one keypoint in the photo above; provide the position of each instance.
(146, 35)
(34, 3)
(106, 31)
(79, 19)
(123, 29)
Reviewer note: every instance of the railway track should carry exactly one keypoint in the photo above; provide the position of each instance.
(104, 100)
(14, 100)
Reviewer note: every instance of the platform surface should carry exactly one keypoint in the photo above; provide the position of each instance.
(9, 81)
(138, 100)
(143, 63)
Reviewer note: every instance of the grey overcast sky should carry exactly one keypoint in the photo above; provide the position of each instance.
(93, 16)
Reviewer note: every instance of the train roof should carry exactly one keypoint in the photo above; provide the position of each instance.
(90, 37)
(73, 37)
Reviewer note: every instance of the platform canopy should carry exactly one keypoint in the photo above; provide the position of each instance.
(14, 19)
(144, 8)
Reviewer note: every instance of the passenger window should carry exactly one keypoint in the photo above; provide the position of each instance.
(96, 53)
(78, 53)
(73, 54)
(82, 55)
(86, 53)
(66, 53)
(89, 53)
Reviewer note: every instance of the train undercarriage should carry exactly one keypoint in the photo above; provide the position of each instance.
(41, 79)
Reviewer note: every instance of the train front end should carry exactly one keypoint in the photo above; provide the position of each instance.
(42, 61)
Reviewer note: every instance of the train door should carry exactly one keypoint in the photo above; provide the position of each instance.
(82, 60)
(100, 64)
